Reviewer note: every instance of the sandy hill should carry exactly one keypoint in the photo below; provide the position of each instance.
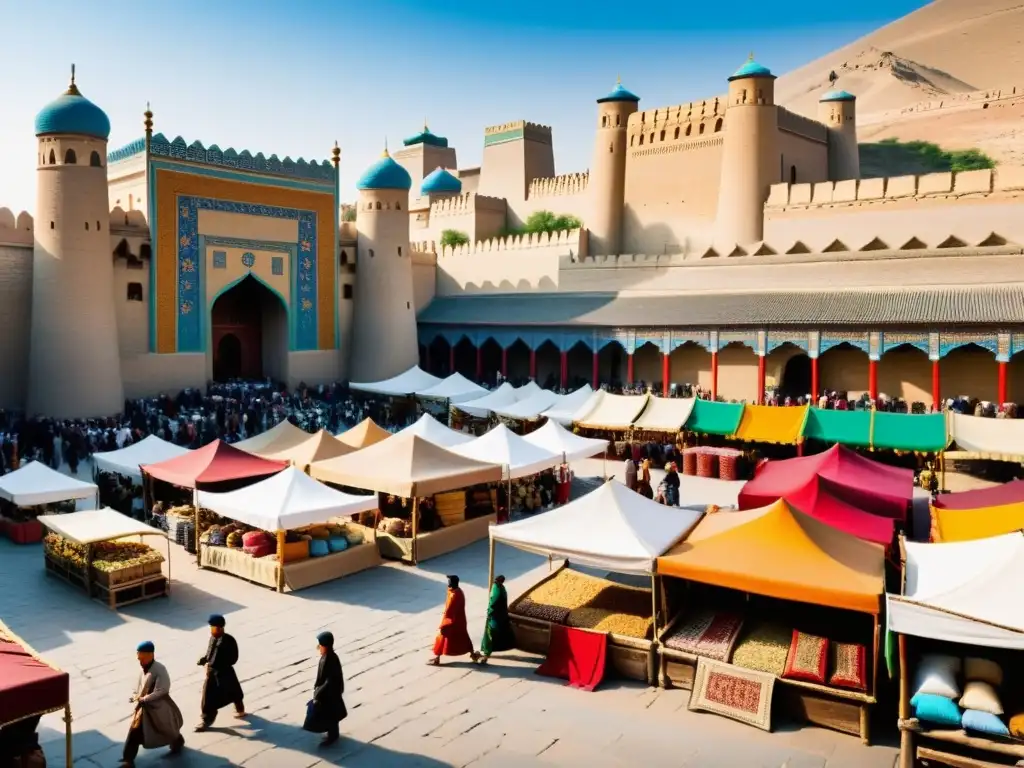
(941, 52)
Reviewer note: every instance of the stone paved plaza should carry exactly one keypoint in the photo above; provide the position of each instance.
(401, 711)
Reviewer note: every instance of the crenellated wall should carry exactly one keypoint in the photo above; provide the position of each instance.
(478, 216)
(983, 99)
(559, 186)
(927, 210)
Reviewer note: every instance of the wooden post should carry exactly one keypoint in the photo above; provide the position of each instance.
(195, 506)
(415, 529)
(906, 737)
(88, 570)
(167, 540)
(714, 375)
(652, 670)
(490, 567)
(280, 561)
(69, 757)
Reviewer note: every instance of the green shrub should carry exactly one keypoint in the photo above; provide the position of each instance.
(544, 221)
(892, 157)
(452, 238)
(349, 214)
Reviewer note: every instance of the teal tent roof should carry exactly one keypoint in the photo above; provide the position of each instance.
(385, 174)
(838, 96)
(712, 417)
(619, 94)
(440, 181)
(751, 69)
(846, 427)
(426, 137)
(72, 113)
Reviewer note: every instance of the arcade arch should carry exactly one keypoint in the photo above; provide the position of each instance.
(905, 371)
(249, 333)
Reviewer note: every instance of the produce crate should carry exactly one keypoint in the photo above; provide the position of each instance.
(119, 576)
(152, 569)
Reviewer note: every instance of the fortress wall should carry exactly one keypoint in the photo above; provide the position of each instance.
(132, 315)
(559, 186)
(968, 207)
(126, 184)
(15, 315)
(984, 99)
(149, 374)
(802, 157)
(478, 216)
(424, 276)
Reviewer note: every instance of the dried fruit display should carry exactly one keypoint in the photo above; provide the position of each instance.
(106, 555)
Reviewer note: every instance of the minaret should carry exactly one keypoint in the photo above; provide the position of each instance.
(750, 156)
(607, 184)
(75, 362)
(384, 341)
(837, 111)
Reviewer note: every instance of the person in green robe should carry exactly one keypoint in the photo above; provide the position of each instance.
(498, 635)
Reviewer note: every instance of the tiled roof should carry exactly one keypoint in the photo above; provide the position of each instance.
(884, 307)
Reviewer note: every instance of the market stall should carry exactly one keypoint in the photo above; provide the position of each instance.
(280, 437)
(433, 431)
(842, 427)
(567, 408)
(411, 467)
(960, 629)
(288, 531)
(782, 425)
(404, 384)
(911, 432)
(572, 447)
(500, 445)
(751, 576)
(613, 412)
(481, 407)
(316, 447)
(126, 461)
(364, 434)
(978, 514)
(89, 550)
(665, 415)
(29, 688)
(612, 529)
(455, 389)
(975, 437)
(529, 408)
(33, 490)
(711, 417)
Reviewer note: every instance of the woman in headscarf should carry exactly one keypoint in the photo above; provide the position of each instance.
(498, 635)
(453, 636)
(327, 707)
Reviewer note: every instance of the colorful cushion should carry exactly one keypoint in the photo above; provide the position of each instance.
(354, 536)
(936, 674)
(984, 722)
(936, 710)
(254, 538)
(1017, 726)
(337, 543)
(985, 670)
(981, 697)
(807, 659)
(707, 634)
(849, 666)
(319, 548)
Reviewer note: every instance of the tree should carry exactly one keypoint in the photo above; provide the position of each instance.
(348, 213)
(546, 221)
(452, 238)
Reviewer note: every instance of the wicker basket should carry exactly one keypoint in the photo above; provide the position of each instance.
(727, 467)
(689, 463)
(707, 464)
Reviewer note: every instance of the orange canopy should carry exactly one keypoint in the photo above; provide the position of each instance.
(779, 552)
(364, 434)
(772, 424)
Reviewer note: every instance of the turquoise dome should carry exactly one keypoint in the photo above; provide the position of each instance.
(385, 174)
(71, 112)
(439, 181)
(751, 69)
(619, 94)
(426, 137)
(838, 96)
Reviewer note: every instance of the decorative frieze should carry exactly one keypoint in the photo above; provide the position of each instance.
(898, 339)
(950, 341)
(776, 339)
(835, 338)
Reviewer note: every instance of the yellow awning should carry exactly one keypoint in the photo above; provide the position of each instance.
(772, 424)
(981, 523)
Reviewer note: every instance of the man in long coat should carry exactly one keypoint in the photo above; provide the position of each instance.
(221, 686)
(453, 636)
(157, 720)
(498, 634)
(327, 707)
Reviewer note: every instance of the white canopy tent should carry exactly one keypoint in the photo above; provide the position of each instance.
(279, 437)
(126, 461)
(501, 445)
(35, 484)
(530, 407)
(529, 389)
(572, 407)
(93, 526)
(288, 500)
(456, 388)
(558, 440)
(963, 592)
(504, 395)
(408, 383)
(977, 437)
(665, 414)
(614, 412)
(433, 431)
(611, 528)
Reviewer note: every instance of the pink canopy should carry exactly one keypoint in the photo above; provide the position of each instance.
(996, 496)
(217, 462)
(814, 500)
(839, 473)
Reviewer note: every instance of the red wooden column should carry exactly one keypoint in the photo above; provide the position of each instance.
(873, 380)
(1004, 382)
(666, 373)
(451, 359)
(479, 364)
(533, 365)
(564, 366)
(814, 380)
(936, 390)
(714, 375)
(760, 380)
(594, 372)
(504, 362)
(629, 369)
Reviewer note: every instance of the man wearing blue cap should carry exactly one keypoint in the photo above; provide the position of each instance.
(221, 686)
(157, 720)
(327, 707)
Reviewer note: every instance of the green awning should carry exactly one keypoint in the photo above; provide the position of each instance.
(709, 417)
(925, 432)
(844, 427)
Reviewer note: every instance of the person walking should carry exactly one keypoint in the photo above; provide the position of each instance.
(157, 720)
(630, 474)
(221, 686)
(498, 634)
(453, 636)
(327, 707)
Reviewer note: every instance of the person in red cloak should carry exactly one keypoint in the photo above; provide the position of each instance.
(453, 636)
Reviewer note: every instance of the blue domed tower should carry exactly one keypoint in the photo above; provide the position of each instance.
(440, 183)
(837, 111)
(384, 341)
(74, 357)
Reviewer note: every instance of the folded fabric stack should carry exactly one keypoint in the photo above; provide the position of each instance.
(939, 701)
(258, 544)
(706, 633)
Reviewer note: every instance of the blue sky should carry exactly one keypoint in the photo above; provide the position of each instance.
(291, 77)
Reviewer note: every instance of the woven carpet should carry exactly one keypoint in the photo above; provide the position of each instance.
(739, 694)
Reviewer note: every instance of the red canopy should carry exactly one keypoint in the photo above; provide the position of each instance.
(996, 496)
(840, 473)
(815, 500)
(27, 685)
(213, 463)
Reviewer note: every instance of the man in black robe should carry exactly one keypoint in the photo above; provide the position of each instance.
(327, 707)
(221, 687)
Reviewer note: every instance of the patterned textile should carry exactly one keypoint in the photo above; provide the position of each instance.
(808, 658)
(739, 694)
(849, 666)
(764, 648)
(707, 634)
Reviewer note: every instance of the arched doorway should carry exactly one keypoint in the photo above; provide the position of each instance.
(249, 333)
(796, 377)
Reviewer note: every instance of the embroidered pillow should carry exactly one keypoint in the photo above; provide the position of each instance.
(808, 658)
(984, 722)
(849, 666)
(936, 710)
(1017, 726)
(981, 697)
(936, 674)
(985, 670)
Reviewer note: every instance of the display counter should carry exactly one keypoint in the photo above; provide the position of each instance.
(431, 544)
(298, 574)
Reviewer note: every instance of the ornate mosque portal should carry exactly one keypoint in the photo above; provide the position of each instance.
(249, 332)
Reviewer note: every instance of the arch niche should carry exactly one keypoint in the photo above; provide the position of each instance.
(611, 364)
(844, 368)
(737, 372)
(905, 371)
(647, 365)
(1016, 375)
(969, 370)
(788, 369)
(249, 333)
(438, 352)
(580, 362)
(517, 356)
(490, 357)
(549, 364)
(690, 363)
(465, 358)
